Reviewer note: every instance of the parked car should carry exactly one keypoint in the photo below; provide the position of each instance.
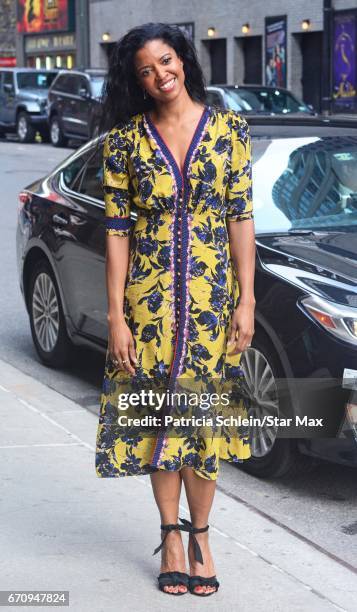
(23, 97)
(257, 99)
(74, 105)
(304, 191)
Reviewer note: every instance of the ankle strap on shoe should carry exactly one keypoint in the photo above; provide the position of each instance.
(187, 526)
(169, 527)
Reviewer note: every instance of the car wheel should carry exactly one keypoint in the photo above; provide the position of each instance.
(270, 456)
(25, 131)
(48, 327)
(57, 137)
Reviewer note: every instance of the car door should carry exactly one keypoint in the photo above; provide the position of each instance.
(70, 104)
(8, 111)
(1, 98)
(57, 97)
(81, 247)
(84, 102)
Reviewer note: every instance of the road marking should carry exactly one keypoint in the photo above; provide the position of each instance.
(50, 420)
(54, 444)
(291, 531)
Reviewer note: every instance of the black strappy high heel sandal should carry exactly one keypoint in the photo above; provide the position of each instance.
(171, 578)
(195, 581)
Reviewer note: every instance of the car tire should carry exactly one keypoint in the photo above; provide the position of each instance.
(272, 458)
(57, 136)
(24, 129)
(47, 321)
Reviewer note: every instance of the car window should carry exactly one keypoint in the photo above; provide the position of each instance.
(35, 80)
(305, 182)
(70, 172)
(263, 100)
(8, 78)
(97, 83)
(82, 83)
(60, 84)
(66, 83)
(90, 182)
(214, 98)
(72, 84)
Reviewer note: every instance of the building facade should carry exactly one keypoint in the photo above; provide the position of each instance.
(307, 46)
(52, 33)
(7, 33)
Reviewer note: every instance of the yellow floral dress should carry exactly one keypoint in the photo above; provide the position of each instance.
(181, 288)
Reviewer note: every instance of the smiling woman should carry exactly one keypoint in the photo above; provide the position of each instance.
(173, 301)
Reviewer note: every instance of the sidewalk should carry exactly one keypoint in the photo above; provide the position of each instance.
(64, 528)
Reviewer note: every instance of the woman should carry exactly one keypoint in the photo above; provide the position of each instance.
(174, 308)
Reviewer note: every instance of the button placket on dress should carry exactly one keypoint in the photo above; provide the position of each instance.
(181, 263)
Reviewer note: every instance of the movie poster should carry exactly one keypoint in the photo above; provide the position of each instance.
(344, 61)
(42, 15)
(275, 51)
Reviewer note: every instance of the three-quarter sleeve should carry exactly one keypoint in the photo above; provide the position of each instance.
(239, 197)
(116, 183)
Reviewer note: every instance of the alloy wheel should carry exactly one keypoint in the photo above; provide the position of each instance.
(45, 312)
(260, 386)
(22, 127)
(55, 131)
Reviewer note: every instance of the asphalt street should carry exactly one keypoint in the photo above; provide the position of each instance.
(278, 545)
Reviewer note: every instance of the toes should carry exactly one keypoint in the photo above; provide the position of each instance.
(204, 589)
(178, 588)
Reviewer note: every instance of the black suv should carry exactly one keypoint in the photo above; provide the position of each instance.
(74, 105)
(23, 98)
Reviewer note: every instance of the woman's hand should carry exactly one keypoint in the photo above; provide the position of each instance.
(242, 324)
(121, 345)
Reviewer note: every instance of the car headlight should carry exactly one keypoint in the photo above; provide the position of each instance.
(339, 320)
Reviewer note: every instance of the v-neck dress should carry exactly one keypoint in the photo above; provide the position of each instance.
(181, 287)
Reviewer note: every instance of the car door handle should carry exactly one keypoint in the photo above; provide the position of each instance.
(60, 219)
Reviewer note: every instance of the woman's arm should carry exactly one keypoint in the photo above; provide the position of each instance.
(242, 245)
(120, 340)
(240, 225)
(116, 184)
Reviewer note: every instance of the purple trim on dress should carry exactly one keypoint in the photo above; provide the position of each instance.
(181, 250)
(120, 223)
(172, 225)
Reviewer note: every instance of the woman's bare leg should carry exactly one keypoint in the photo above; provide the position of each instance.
(200, 494)
(167, 489)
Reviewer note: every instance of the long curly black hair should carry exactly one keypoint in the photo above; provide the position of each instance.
(122, 97)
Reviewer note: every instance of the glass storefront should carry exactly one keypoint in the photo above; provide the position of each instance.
(58, 60)
(51, 51)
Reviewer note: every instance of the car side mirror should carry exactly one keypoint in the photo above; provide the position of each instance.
(8, 88)
(83, 92)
